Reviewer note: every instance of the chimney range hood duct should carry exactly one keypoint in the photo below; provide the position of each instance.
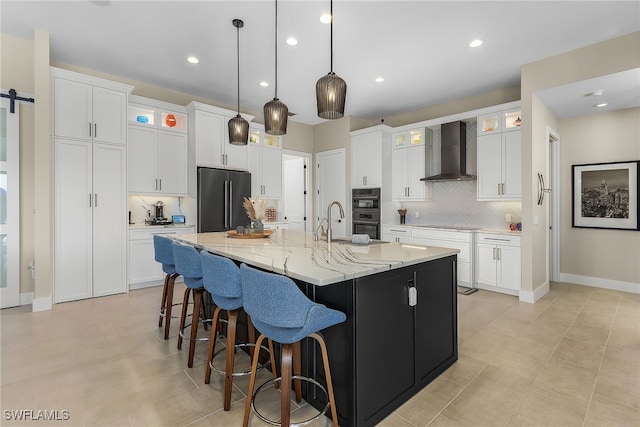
(453, 162)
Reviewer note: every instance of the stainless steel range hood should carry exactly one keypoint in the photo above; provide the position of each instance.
(453, 162)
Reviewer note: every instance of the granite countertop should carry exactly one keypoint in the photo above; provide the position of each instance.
(296, 254)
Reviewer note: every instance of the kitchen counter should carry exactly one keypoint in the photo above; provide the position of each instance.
(299, 256)
(151, 227)
(389, 291)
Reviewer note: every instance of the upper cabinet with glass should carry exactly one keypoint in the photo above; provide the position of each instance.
(408, 138)
(511, 120)
(500, 121)
(157, 114)
(259, 137)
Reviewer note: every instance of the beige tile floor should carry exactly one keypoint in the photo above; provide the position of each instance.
(572, 359)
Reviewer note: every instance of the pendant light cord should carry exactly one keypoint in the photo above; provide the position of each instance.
(276, 45)
(331, 13)
(238, 57)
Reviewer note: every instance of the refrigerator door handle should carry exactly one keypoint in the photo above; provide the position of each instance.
(226, 204)
(230, 203)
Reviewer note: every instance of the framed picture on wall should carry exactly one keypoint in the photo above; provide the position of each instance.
(605, 195)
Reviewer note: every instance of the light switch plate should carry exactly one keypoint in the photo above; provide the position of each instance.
(507, 217)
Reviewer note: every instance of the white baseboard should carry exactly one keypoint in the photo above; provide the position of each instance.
(533, 296)
(616, 285)
(41, 304)
(26, 298)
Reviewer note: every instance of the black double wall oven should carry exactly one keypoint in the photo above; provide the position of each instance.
(366, 211)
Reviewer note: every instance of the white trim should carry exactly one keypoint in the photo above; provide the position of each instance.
(616, 285)
(199, 106)
(41, 304)
(533, 297)
(90, 80)
(553, 171)
(26, 298)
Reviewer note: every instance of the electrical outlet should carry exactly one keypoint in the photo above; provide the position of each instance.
(507, 217)
(417, 214)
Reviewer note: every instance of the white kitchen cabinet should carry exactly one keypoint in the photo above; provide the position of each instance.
(498, 262)
(366, 156)
(277, 225)
(408, 169)
(210, 136)
(396, 233)
(265, 164)
(460, 240)
(90, 219)
(144, 270)
(157, 148)
(89, 108)
(499, 166)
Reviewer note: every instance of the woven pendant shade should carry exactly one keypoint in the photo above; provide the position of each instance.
(331, 92)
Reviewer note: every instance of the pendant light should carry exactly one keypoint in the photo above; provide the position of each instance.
(331, 90)
(238, 127)
(275, 111)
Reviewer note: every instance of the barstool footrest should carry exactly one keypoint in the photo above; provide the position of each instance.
(279, 379)
(241, 373)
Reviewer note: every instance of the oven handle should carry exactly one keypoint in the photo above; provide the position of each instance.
(361, 221)
(365, 197)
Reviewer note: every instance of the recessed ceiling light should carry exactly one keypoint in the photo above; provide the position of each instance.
(600, 105)
(594, 93)
(326, 18)
(476, 43)
(264, 84)
(193, 60)
(379, 79)
(292, 41)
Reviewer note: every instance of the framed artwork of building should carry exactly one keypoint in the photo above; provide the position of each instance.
(605, 195)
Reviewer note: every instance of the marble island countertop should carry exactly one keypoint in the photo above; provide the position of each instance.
(299, 256)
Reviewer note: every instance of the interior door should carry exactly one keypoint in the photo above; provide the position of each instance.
(294, 172)
(9, 207)
(331, 186)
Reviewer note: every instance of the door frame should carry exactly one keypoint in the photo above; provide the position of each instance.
(319, 209)
(307, 185)
(553, 213)
(10, 295)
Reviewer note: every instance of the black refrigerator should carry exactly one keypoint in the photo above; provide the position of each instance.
(221, 194)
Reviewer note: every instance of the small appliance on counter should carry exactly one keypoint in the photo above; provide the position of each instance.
(158, 218)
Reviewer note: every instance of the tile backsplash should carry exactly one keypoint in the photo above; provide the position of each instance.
(454, 203)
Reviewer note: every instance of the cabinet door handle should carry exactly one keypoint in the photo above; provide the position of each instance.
(413, 293)
(222, 159)
(95, 130)
(95, 200)
(493, 253)
(160, 181)
(90, 205)
(499, 252)
(90, 134)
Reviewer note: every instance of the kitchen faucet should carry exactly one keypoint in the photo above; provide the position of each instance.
(329, 232)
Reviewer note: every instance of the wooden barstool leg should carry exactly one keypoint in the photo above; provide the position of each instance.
(274, 368)
(169, 305)
(183, 317)
(327, 373)
(195, 320)
(252, 380)
(163, 304)
(251, 330)
(212, 344)
(285, 384)
(297, 370)
(232, 317)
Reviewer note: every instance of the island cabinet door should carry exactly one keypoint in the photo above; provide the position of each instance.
(384, 342)
(436, 319)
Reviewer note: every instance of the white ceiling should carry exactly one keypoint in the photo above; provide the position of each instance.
(419, 47)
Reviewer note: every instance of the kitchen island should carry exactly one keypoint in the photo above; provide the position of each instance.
(401, 307)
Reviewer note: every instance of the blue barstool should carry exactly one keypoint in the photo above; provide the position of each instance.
(221, 278)
(164, 255)
(188, 265)
(282, 313)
